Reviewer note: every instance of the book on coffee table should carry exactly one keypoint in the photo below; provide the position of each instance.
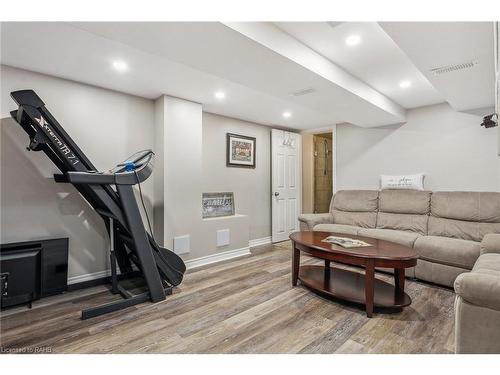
(346, 242)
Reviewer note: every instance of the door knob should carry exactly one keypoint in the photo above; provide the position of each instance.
(276, 193)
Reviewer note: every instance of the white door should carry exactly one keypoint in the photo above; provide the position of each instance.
(286, 183)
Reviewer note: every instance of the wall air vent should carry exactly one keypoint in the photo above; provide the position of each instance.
(452, 68)
(302, 92)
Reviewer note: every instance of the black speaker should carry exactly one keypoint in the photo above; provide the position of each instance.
(490, 121)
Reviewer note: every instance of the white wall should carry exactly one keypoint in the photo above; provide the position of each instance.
(183, 164)
(159, 178)
(190, 160)
(251, 187)
(450, 147)
(108, 126)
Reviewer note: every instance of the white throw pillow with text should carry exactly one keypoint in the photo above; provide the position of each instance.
(407, 181)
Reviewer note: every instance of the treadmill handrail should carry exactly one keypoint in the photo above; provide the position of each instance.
(114, 177)
(86, 178)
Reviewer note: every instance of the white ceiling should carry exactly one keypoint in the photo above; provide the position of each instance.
(224, 51)
(435, 44)
(192, 60)
(376, 60)
(258, 65)
(64, 51)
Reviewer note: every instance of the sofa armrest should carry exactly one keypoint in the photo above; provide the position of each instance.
(490, 243)
(310, 220)
(479, 289)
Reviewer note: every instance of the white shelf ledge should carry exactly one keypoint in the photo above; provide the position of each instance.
(224, 217)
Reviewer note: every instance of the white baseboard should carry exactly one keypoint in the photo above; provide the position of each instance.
(259, 241)
(215, 258)
(88, 277)
(190, 264)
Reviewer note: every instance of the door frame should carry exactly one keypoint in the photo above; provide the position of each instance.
(329, 129)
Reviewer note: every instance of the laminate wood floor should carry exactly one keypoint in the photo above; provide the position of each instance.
(241, 306)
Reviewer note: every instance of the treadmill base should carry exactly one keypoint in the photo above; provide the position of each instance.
(128, 301)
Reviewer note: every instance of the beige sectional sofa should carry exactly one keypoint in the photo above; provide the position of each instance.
(456, 236)
(444, 228)
(477, 304)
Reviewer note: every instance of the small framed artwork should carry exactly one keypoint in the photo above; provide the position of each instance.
(240, 151)
(217, 204)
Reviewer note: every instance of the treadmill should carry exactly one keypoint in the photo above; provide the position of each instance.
(111, 194)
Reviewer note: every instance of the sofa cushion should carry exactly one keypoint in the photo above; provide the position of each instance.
(360, 219)
(404, 210)
(413, 223)
(355, 207)
(465, 215)
(405, 202)
(449, 251)
(397, 236)
(308, 221)
(466, 205)
(466, 230)
(488, 263)
(337, 228)
(438, 273)
(490, 243)
(355, 201)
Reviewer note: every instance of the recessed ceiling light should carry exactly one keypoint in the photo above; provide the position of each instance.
(404, 84)
(120, 66)
(287, 114)
(353, 40)
(220, 95)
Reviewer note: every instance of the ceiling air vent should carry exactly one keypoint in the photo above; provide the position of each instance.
(334, 24)
(302, 92)
(453, 68)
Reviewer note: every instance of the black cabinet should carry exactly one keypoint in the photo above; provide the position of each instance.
(33, 269)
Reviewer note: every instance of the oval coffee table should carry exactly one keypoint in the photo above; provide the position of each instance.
(349, 285)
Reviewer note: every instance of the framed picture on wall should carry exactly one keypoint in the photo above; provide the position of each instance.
(217, 204)
(240, 151)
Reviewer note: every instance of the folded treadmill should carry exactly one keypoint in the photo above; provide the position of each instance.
(111, 195)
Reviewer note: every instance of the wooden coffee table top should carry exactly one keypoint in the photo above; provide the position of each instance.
(380, 249)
